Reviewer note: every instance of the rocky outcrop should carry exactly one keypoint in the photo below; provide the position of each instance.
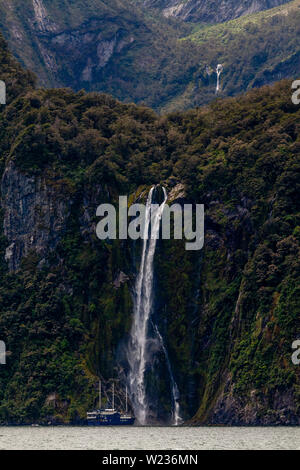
(42, 20)
(34, 215)
(120, 279)
(88, 47)
(231, 409)
(211, 11)
(177, 192)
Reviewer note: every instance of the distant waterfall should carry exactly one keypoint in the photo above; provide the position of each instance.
(175, 392)
(143, 303)
(219, 70)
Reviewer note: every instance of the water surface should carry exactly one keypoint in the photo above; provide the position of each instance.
(146, 438)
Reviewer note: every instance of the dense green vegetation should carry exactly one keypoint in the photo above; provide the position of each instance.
(228, 314)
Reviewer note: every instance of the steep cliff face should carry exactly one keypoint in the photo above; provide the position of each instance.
(34, 215)
(207, 11)
(99, 45)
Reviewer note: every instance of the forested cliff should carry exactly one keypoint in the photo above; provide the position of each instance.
(228, 313)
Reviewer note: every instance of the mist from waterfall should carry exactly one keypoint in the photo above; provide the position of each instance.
(137, 353)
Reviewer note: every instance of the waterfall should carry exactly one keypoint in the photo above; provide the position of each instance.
(143, 302)
(219, 70)
(175, 392)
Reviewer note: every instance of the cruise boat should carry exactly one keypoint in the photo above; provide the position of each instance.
(109, 416)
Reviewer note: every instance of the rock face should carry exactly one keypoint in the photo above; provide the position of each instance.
(42, 19)
(112, 46)
(233, 410)
(89, 48)
(34, 217)
(177, 192)
(207, 11)
(120, 279)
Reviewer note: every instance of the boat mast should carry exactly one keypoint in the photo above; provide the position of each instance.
(100, 395)
(113, 396)
(126, 399)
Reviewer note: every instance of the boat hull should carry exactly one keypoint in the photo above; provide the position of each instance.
(128, 422)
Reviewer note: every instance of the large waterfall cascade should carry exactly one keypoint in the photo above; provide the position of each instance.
(138, 353)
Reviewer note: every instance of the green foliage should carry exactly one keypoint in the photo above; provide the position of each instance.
(229, 311)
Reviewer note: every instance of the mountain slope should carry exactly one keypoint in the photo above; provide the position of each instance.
(207, 11)
(138, 56)
(228, 314)
(254, 50)
(99, 45)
